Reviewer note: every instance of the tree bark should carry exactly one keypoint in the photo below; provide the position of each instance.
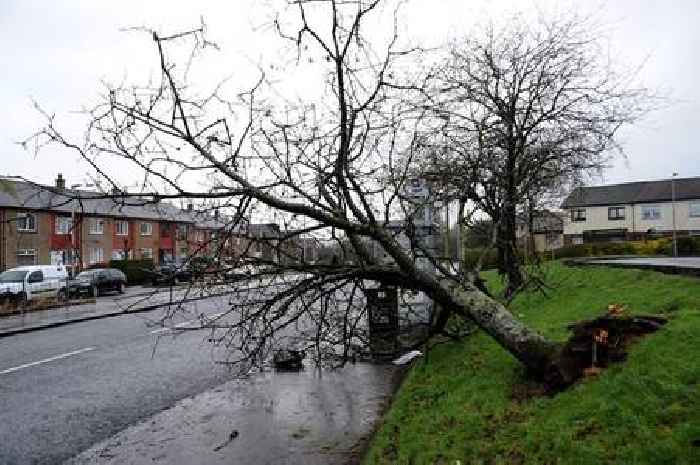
(528, 346)
(509, 262)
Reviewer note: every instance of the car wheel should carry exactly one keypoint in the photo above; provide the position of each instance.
(62, 295)
(22, 299)
(120, 288)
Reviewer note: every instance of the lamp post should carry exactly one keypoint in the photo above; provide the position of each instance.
(673, 213)
(72, 229)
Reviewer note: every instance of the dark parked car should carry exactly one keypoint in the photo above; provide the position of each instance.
(97, 281)
(170, 274)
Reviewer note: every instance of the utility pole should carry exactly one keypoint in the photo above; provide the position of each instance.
(673, 213)
(73, 255)
(446, 206)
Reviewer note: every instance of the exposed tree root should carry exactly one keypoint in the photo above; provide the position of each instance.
(594, 345)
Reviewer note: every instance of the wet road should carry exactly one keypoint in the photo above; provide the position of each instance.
(679, 262)
(310, 418)
(123, 390)
(63, 389)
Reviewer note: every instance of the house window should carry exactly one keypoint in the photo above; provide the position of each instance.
(118, 254)
(96, 256)
(26, 222)
(26, 257)
(651, 213)
(616, 213)
(121, 228)
(181, 232)
(694, 210)
(578, 214)
(64, 224)
(147, 253)
(146, 229)
(97, 226)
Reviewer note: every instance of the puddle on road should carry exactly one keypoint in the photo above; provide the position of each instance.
(308, 417)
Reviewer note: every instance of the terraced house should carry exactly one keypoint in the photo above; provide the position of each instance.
(48, 225)
(632, 211)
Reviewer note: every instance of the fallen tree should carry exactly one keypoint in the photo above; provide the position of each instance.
(332, 167)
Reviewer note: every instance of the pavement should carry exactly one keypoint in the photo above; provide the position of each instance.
(134, 300)
(675, 265)
(310, 417)
(124, 389)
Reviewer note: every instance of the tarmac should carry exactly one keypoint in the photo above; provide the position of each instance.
(673, 265)
(311, 417)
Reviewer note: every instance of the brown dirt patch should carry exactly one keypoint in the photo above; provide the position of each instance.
(593, 346)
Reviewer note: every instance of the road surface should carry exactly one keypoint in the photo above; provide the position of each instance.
(680, 262)
(68, 389)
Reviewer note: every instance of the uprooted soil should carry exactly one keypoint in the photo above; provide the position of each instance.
(593, 346)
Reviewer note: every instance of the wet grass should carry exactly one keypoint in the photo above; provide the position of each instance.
(456, 406)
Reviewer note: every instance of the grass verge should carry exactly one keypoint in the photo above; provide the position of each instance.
(456, 406)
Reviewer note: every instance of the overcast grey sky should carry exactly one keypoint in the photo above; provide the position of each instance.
(57, 53)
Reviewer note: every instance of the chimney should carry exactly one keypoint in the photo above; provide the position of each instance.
(60, 182)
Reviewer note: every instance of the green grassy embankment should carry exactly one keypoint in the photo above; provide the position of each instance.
(456, 406)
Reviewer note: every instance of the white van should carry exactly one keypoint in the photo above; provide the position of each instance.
(26, 283)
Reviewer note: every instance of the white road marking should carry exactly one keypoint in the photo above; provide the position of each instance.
(186, 323)
(46, 360)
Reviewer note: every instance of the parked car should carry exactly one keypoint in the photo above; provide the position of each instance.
(201, 266)
(170, 274)
(232, 275)
(288, 359)
(97, 281)
(27, 283)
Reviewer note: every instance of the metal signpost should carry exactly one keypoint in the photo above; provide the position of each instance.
(394, 312)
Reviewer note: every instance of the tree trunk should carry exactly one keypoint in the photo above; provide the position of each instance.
(534, 351)
(509, 262)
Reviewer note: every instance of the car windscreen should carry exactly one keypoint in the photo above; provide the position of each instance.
(116, 274)
(85, 275)
(16, 276)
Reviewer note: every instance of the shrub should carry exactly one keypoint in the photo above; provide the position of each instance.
(136, 271)
(687, 245)
(95, 266)
(650, 247)
(489, 261)
(573, 251)
(595, 249)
